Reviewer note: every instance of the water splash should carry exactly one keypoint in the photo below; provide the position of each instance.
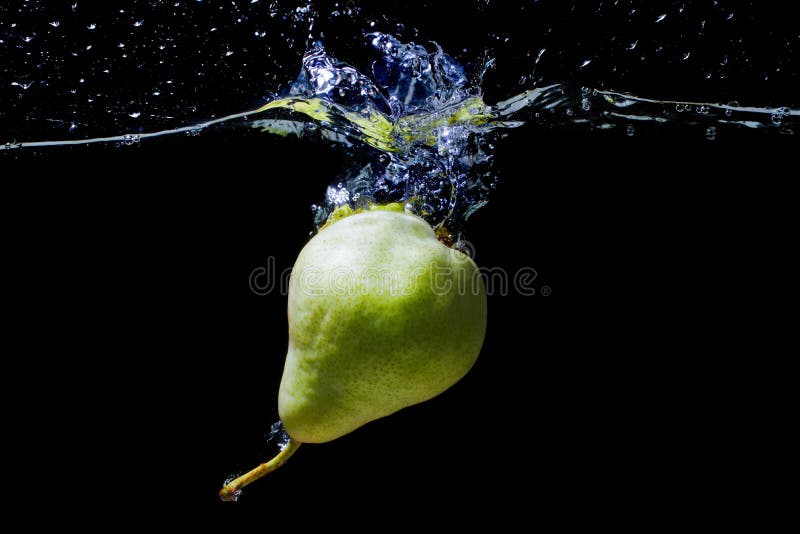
(277, 435)
(419, 131)
(424, 121)
(432, 133)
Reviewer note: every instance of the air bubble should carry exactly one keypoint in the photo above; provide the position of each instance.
(779, 115)
(130, 139)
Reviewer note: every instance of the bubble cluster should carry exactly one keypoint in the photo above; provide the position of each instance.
(425, 123)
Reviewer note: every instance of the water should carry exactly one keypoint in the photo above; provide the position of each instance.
(419, 125)
(627, 74)
(430, 132)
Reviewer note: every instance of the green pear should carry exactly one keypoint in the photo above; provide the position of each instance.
(382, 315)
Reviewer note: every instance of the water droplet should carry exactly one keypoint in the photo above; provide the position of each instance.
(91, 26)
(585, 63)
(630, 130)
(135, 114)
(633, 45)
(24, 85)
(661, 17)
(138, 23)
(686, 56)
(711, 133)
(55, 24)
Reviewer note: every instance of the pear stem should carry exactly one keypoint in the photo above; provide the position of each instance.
(231, 490)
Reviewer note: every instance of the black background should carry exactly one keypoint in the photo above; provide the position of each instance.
(159, 368)
(600, 403)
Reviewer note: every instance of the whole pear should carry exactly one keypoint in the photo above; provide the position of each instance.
(382, 315)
